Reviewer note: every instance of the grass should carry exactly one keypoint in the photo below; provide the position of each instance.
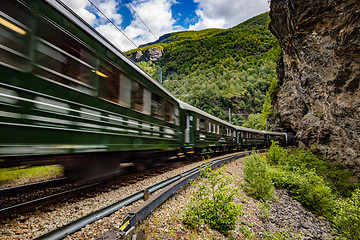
(21, 174)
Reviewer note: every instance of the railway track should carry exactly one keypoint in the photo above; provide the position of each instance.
(22, 189)
(167, 188)
(38, 200)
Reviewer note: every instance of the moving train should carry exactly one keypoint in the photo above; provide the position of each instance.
(69, 96)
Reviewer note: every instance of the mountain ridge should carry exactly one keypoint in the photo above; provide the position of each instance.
(232, 68)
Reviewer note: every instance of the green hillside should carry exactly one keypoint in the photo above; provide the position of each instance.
(231, 69)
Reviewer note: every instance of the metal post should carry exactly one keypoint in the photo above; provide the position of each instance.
(160, 76)
(266, 124)
(229, 116)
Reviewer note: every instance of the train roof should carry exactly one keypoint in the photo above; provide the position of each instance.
(249, 130)
(275, 133)
(70, 14)
(189, 107)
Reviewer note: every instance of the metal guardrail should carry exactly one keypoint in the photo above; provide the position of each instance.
(169, 186)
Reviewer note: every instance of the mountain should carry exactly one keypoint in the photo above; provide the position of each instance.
(229, 68)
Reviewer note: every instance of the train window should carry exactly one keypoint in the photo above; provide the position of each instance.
(109, 85)
(157, 107)
(62, 58)
(147, 101)
(176, 115)
(169, 112)
(15, 35)
(202, 125)
(209, 128)
(198, 124)
(125, 90)
(218, 129)
(137, 96)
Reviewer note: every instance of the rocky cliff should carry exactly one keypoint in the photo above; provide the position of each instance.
(319, 74)
(152, 55)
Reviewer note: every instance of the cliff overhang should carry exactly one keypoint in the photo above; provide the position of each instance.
(319, 74)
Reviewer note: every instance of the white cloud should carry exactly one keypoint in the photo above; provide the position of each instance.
(110, 8)
(79, 6)
(158, 17)
(115, 36)
(156, 14)
(226, 13)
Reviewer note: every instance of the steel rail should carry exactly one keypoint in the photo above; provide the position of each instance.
(76, 225)
(30, 205)
(12, 191)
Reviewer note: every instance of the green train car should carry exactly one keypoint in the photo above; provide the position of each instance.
(64, 89)
(67, 96)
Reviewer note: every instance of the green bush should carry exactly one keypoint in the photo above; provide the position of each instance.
(276, 153)
(347, 219)
(257, 178)
(336, 176)
(213, 203)
(314, 181)
(306, 187)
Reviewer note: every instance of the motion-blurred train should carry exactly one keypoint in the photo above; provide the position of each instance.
(68, 96)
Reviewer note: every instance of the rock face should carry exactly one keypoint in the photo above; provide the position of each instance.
(319, 74)
(152, 54)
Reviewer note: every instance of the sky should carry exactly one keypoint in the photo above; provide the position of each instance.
(136, 17)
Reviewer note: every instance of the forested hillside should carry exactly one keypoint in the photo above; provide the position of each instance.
(230, 68)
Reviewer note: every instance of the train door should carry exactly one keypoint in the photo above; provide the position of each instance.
(189, 133)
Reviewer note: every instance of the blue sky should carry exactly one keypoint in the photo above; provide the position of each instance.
(163, 16)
